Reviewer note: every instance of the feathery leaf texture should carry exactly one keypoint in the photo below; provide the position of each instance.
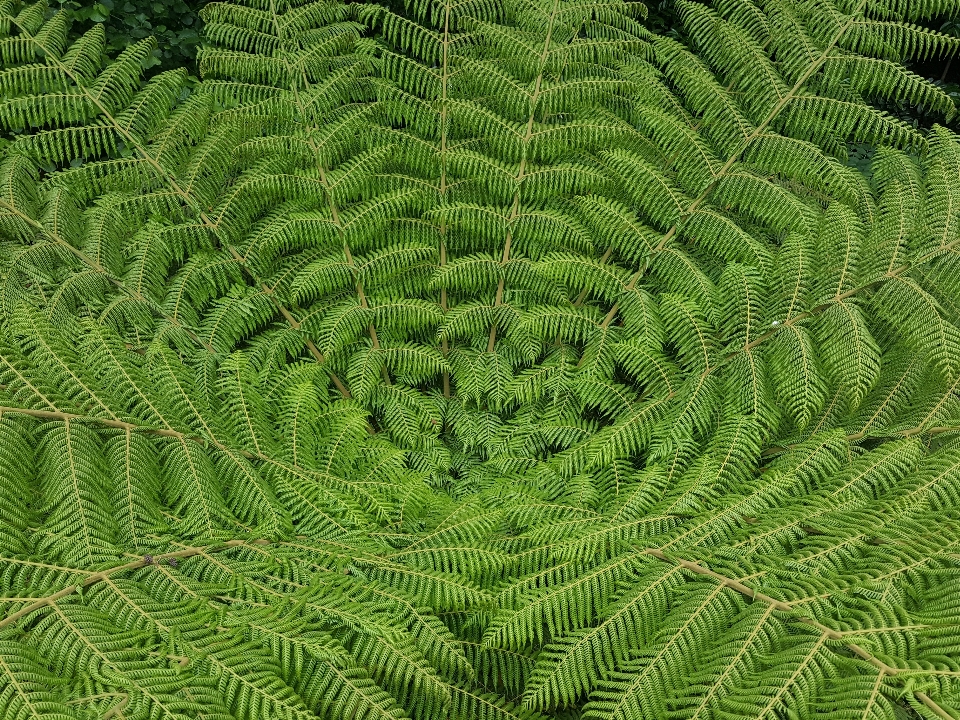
(482, 361)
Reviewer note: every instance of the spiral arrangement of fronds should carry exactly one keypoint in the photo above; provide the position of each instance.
(481, 360)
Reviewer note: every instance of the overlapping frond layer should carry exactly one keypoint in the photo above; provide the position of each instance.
(481, 360)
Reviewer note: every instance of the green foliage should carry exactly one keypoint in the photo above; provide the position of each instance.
(174, 23)
(481, 360)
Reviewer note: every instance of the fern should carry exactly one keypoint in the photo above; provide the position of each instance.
(481, 360)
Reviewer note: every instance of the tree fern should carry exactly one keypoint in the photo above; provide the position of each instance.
(481, 360)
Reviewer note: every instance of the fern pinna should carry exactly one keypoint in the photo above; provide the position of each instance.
(482, 360)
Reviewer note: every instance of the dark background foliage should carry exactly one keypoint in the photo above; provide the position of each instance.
(174, 23)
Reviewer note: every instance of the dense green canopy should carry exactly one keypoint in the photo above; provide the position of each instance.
(481, 360)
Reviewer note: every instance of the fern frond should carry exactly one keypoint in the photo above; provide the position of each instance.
(482, 360)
